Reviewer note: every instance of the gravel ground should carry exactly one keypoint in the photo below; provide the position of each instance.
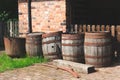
(40, 72)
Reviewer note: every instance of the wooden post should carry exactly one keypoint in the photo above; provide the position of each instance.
(102, 27)
(29, 17)
(108, 28)
(88, 28)
(84, 28)
(80, 28)
(93, 28)
(98, 27)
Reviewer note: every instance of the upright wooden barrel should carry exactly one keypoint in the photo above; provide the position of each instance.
(98, 49)
(72, 47)
(14, 46)
(118, 42)
(51, 45)
(34, 44)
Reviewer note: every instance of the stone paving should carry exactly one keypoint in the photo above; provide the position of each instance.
(40, 72)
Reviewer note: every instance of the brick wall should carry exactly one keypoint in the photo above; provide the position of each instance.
(47, 16)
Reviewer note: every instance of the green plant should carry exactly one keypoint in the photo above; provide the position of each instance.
(4, 16)
(7, 63)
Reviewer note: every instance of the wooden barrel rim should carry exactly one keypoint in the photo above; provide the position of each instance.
(72, 36)
(52, 34)
(97, 37)
(102, 33)
(33, 36)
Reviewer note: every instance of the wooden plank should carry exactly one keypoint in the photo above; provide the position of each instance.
(102, 27)
(80, 28)
(97, 27)
(88, 28)
(76, 28)
(10, 28)
(118, 29)
(84, 28)
(71, 29)
(113, 30)
(108, 28)
(78, 67)
(93, 28)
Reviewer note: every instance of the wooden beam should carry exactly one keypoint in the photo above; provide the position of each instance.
(77, 67)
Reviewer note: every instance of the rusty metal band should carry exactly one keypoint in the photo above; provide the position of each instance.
(52, 34)
(94, 57)
(97, 44)
(72, 37)
(34, 36)
(74, 56)
(101, 33)
(50, 54)
(98, 37)
(72, 44)
(99, 64)
(52, 41)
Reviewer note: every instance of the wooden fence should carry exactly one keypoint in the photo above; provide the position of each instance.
(11, 29)
(114, 29)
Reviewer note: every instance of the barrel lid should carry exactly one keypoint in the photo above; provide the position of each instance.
(35, 33)
(52, 34)
(72, 36)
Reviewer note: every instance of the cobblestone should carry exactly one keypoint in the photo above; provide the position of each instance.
(40, 72)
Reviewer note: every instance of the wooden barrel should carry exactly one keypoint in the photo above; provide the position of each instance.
(14, 46)
(51, 45)
(34, 44)
(118, 42)
(98, 49)
(72, 47)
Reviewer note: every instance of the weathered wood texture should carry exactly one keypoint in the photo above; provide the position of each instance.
(14, 47)
(51, 45)
(98, 49)
(92, 28)
(34, 44)
(118, 41)
(77, 67)
(72, 47)
(12, 29)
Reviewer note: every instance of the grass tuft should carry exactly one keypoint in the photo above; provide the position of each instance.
(8, 63)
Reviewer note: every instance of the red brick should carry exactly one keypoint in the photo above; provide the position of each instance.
(45, 14)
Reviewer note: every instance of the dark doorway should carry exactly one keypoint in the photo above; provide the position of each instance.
(93, 12)
(8, 11)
